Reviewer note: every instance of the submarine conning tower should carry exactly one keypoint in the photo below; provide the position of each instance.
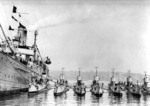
(113, 77)
(129, 78)
(146, 80)
(79, 78)
(96, 78)
(62, 76)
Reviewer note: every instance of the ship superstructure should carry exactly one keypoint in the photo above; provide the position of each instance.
(20, 62)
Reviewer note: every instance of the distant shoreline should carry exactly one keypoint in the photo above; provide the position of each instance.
(104, 76)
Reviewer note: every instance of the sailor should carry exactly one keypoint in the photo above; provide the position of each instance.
(99, 83)
(47, 61)
(39, 61)
(41, 80)
(66, 82)
(30, 63)
(94, 82)
(23, 57)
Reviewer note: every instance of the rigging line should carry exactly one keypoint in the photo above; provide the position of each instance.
(19, 13)
(9, 45)
(6, 19)
(26, 20)
(1, 37)
(40, 54)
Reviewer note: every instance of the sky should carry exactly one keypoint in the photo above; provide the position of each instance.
(86, 33)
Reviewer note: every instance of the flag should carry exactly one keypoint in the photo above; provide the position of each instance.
(19, 15)
(10, 28)
(14, 9)
(14, 18)
(22, 26)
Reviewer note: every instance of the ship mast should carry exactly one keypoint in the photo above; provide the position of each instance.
(62, 74)
(113, 72)
(145, 74)
(35, 46)
(35, 34)
(79, 77)
(79, 71)
(129, 73)
(96, 70)
(62, 70)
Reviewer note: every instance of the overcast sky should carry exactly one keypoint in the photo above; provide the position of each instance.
(87, 33)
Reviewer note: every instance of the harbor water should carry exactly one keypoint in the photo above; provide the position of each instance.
(70, 99)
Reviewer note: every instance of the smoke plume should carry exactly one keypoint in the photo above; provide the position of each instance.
(75, 15)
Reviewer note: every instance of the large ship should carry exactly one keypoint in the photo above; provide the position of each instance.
(19, 62)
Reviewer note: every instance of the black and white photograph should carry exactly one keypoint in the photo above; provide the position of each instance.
(74, 53)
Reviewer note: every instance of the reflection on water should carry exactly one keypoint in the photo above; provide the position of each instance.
(79, 100)
(60, 99)
(96, 101)
(132, 99)
(115, 99)
(70, 99)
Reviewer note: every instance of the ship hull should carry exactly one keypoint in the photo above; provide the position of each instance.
(79, 90)
(135, 94)
(59, 93)
(97, 94)
(134, 91)
(96, 90)
(79, 93)
(14, 76)
(116, 93)
(37, 91)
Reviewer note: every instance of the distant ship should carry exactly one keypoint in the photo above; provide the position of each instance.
(79, 88)
(115, 88)
(19, 62)
(61, 86)
(97, 87)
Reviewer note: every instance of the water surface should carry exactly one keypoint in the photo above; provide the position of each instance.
(70, 99)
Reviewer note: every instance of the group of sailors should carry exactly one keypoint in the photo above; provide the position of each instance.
(97, 81)
(30, 62)
(79, 81)
(61, 81)
(39, 81)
